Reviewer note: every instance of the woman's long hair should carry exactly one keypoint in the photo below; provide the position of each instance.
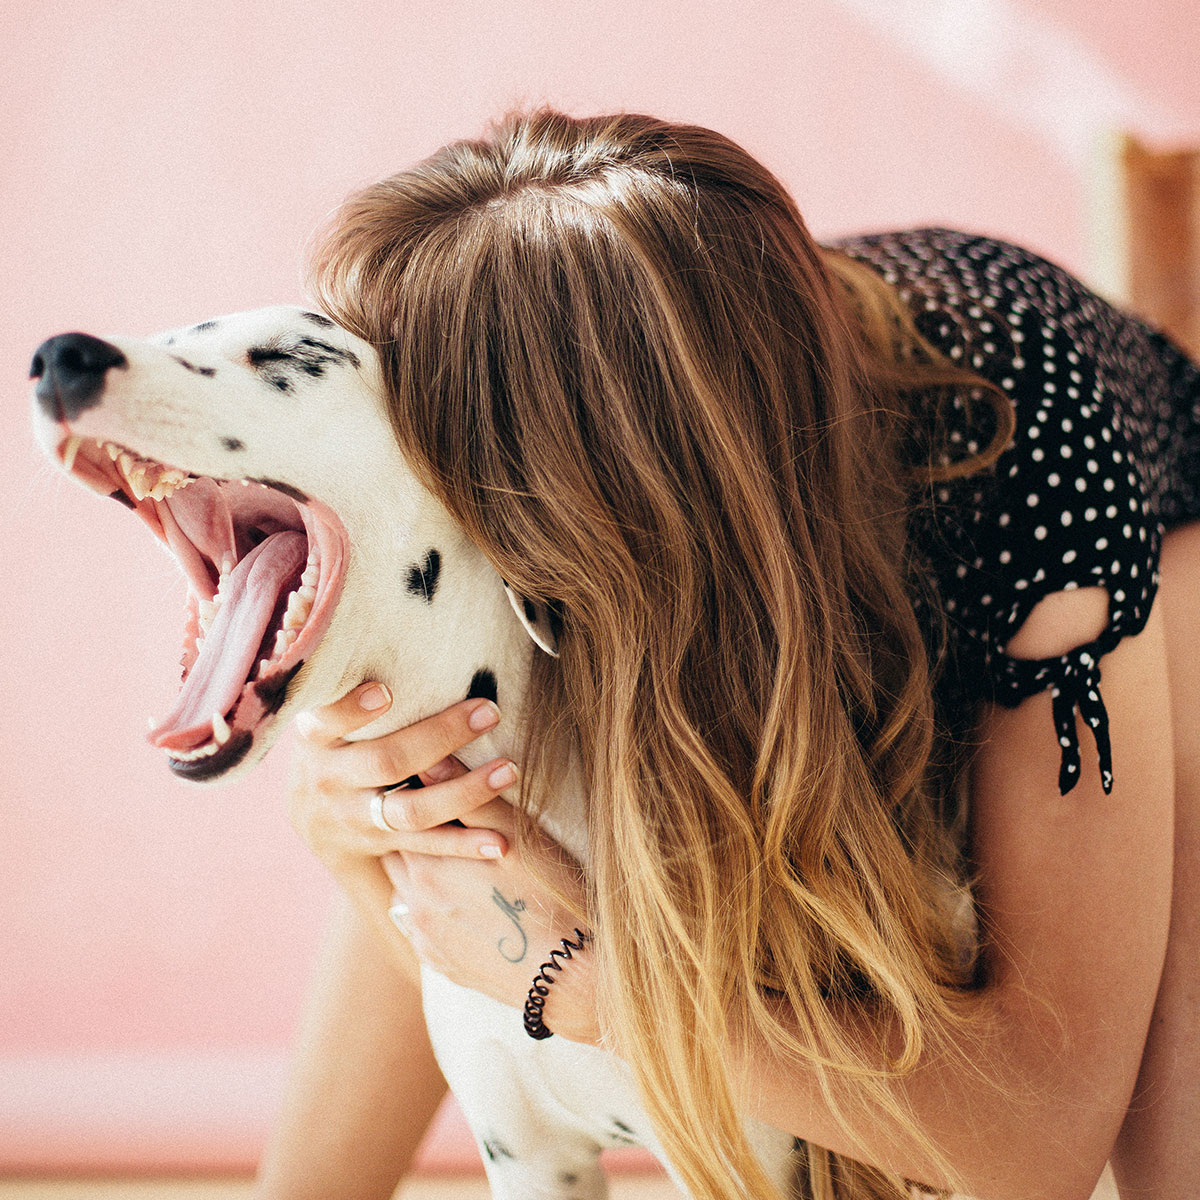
(616, 355)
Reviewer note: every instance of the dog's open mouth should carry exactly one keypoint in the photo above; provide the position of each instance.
(265, 566)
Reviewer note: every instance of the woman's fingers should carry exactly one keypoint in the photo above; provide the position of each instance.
(395, 757)
(452, 841)
(412, 810)
(332, 722)
(345, 800)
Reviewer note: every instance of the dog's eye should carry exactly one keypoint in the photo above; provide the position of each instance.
(265, 354)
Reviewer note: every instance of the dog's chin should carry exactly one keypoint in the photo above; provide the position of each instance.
(237, 757)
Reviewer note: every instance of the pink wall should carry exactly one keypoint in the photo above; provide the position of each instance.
(162, 163)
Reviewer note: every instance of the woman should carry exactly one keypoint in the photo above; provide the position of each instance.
(839, 539)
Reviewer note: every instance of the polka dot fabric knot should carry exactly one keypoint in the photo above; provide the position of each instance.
(1074, 684)
(1104, 458)
(1080, 688)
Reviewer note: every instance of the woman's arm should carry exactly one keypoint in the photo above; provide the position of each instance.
(1076, 896)
(364, 1081)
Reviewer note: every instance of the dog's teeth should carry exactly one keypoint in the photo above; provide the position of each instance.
(137, 484)
(112, 450)
(312, 573)
(299, 606)
(283, 642)
(307, 591)
(221, 730)
(206, 612)
(205, 751)
(71, 449)
(160, 491)
(264, 665)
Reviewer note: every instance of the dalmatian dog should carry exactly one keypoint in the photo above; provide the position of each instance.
(257, 448)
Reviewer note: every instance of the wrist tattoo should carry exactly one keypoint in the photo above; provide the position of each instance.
(508, 945)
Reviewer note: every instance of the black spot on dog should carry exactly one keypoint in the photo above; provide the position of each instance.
(169, 341)
(233, 444)
(124, 499)
(483, 683)
(286, 488)
(308, 356)
(530, 611)
(496, 1150)
(203, 327)
(272, 691)
(568, 1178)
(207, 372)
(318, 319)
(422, 580)
(228, 756)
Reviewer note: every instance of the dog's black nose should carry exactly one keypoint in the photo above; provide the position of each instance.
(70, 370)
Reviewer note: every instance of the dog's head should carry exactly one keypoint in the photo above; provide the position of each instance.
(258, 449)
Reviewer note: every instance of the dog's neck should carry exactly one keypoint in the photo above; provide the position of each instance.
(464, 640)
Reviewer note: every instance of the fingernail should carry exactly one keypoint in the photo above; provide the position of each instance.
(373, 697)
(306, 724)
(491, 850)
(484, 717)
(502, 776)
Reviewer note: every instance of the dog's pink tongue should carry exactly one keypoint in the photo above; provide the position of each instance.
(230, 648)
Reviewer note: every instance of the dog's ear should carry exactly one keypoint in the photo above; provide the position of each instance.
(542, 620)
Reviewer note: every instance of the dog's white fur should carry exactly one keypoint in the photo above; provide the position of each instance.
(541, 1111)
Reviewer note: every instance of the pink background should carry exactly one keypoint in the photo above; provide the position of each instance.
(167, 162)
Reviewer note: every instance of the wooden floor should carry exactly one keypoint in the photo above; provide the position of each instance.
(623, 1187)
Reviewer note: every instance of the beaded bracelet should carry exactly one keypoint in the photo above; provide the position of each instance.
(535, 1002)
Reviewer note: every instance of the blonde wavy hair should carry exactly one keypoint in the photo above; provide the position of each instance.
(617, 356)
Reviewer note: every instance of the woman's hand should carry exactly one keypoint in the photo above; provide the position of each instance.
(336, 784)
(490, 926)
(470, 908)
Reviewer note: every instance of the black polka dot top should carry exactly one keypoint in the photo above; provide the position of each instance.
(1104, 458)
